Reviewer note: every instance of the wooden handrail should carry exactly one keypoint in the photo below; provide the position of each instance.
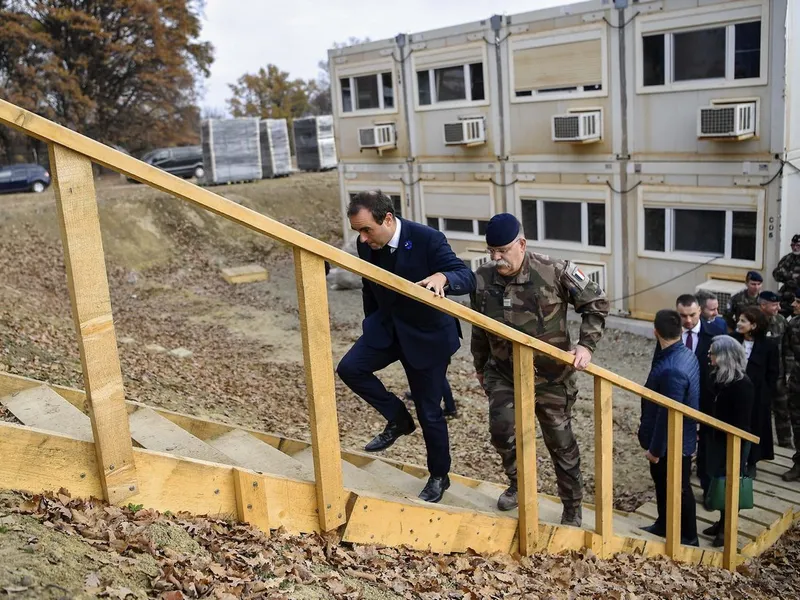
(47, 131)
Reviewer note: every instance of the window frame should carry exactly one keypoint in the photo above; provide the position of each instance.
(550, 38)
(698, 19)
(444, 58)
(365, 70)
(727, 200)
(459, 235)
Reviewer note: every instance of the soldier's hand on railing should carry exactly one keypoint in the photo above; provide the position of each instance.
(436, 283)
(583, 356)
(651, 458)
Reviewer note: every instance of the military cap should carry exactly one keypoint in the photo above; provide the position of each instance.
(502, 229)
(796, 238)
(768, 296)
(754, 276)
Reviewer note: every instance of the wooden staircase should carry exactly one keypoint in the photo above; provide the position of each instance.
(98, 444)
(383, 507)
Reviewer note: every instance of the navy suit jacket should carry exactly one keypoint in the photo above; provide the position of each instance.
(426, 336)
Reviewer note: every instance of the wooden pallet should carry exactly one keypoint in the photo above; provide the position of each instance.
(207, 467)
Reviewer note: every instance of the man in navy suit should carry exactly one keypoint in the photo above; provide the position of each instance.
(396, 328)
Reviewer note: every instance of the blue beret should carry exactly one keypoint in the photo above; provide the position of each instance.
(768, 296)
(502, 230)
(754, 276)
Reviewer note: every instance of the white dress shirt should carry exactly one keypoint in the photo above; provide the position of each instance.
(395, 241)
(694, 332)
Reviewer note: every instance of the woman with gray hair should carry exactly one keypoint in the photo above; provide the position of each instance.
(733, 397)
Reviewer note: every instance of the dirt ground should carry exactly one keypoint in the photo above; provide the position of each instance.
(164, 259)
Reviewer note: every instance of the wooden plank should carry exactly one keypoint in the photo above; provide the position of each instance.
(250, 452)
(42, 408)
(674, 464)
(604, 465)
(154, 432)
(312, 298)
(732, 470)
(245, 274)
(48, 131)
(784, 452)
(91, 310)
(10, 383)
(769, 537)
(251, 499)
(525, 426)
(770, 485)
(779, 462)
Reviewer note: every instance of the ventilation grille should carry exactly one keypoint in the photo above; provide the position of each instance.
(577, 127)
(727, 121)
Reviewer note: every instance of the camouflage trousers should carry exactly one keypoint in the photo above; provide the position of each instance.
(780, 412)
(794, 410)
(554, 403)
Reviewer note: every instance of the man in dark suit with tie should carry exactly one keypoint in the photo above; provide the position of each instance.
(396, 328)
(697, 335)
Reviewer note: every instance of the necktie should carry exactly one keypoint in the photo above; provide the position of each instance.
(689, 340)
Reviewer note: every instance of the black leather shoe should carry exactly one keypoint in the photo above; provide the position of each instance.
(450, 414)
(713, 530)
(655, 529)
(389, 435)
(434, 489)
(688, 542)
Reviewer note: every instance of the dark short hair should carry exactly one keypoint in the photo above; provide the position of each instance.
(668, 324)
(686, 300)
(375, 201)
(757, 317)
(703, 297)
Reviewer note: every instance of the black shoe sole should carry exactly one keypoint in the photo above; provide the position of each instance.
(390, 444)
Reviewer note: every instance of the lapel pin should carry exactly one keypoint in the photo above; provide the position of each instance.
(407, 245)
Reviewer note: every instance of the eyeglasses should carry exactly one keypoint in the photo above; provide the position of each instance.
(502, 251)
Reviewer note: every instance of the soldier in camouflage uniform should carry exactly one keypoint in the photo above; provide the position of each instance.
(788, 273)
(791, 350)
(530, 292)
(745, 299)
(777, 329)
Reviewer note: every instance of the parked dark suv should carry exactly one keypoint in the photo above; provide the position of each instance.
(23, 178)
(185, 161)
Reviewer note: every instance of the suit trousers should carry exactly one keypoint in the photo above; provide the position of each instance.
(357, 370)
(658, 472)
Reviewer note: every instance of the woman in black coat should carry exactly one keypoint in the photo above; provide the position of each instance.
(731, 398)
(763, 368)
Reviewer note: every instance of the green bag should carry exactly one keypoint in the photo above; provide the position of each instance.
(716, 493)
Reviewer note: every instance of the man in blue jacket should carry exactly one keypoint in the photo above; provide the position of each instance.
(396, 328)
(675, 374)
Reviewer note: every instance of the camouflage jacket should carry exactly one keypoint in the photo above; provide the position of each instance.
(791, 345)
(788, 272)
(777, 330)
(535, 302)
(738, 304)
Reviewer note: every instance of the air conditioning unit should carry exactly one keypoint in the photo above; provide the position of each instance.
(466, 132)
(722, 289)
(727, 121)
(582, 127)
(474, 259)
(381, 137)
(595, 272)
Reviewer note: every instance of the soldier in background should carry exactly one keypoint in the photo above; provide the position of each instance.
(530, 292)
(777, 330)
(788, 273)
(792, 353)
(746, 298)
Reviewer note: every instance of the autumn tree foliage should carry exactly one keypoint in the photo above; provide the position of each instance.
(270, 94)
(125, 72)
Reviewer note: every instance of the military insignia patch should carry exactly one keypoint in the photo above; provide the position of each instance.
(576, 276)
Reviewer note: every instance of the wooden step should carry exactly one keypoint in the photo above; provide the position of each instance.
(354, 478)
(43, 408)
(251, 453)
(155, 432)
(762, 500)
(650, 511)
(785, 452)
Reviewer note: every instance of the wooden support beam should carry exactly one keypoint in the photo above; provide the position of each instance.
(251, 499)
(674, 464)
(91, 310)
(603, 465)
(525, 420)
(312, 296)
(732, 469)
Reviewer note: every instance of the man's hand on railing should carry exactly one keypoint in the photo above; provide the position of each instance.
(436, 283)
(651, 458)
(583, 356)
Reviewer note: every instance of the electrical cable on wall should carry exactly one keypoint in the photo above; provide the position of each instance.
(630, 189)
(504, 184)
(625, 24)
(663, 283)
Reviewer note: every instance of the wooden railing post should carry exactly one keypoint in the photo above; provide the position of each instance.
(91, 310)
(674, 488)
(312, 296)
(525, 424)
(603, 466)
(732, 469)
